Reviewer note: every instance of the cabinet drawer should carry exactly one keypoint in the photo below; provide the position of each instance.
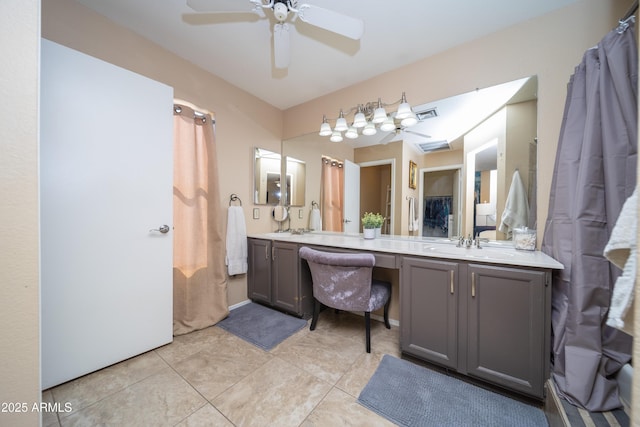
(385, 260)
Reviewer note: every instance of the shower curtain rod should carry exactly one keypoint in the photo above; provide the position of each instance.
(631, 11)
(177, 108)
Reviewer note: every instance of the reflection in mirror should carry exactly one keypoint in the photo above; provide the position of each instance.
(485, 189)
(332, 194)
(503, 144)
(441, 199)
(498, 142)
(266, 177)
(295, 171)
(514, 104)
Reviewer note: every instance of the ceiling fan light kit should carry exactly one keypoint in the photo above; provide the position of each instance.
(326, 19)
(367, 116)
(280, 11)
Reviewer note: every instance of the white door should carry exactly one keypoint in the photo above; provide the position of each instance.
(351, 197)
(106, 177)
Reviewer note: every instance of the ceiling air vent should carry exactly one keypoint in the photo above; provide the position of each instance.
(428, 147)
(427, 114)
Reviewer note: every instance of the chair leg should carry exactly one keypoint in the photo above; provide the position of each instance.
(367, 324)
(316, 313)
(386, 313)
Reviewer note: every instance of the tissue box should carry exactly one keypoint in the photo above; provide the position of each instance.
(524, 239)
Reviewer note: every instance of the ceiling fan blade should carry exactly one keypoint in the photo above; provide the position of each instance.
(417, 133)
(281, 49)
(221, 5)
(209, 18)
(331, 21)
(387, 138)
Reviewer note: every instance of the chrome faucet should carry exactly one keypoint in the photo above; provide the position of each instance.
(468, 242)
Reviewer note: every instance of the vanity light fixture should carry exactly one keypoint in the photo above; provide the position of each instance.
(341, 123)
(325, 129)
(368, 118)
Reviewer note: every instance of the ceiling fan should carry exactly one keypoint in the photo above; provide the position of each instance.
(282, 10)
(397, 135)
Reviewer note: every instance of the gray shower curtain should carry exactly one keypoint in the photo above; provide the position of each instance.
(595, 172)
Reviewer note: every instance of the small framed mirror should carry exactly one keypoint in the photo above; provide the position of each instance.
(267, 188)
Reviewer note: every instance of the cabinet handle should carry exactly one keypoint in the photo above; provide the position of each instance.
(273, 253)
(266, 252)
(451, 282)
(473, 284)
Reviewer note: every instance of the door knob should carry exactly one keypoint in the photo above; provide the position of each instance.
(163, 229)
(346, 221)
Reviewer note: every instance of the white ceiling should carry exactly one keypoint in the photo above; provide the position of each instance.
(396, 34)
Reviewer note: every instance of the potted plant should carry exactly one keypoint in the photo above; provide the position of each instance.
(371, 222)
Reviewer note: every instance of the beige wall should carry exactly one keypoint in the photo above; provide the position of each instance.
(19, 253)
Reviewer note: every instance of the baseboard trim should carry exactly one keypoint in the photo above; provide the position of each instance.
(553, 407)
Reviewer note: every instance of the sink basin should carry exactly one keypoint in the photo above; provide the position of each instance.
(473, 252)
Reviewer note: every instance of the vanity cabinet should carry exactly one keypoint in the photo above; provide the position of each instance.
(259, 270)
(507, 337)
(429, 310)
(274, 276)
(489, 322)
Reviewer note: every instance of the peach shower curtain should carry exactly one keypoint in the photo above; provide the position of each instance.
(332, 189)
(199, 278)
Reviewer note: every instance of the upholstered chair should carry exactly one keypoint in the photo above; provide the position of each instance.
(343, 281)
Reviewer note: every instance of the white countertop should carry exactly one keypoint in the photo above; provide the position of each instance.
(495, 252)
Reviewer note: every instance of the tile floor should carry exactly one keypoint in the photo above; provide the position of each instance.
(213, 378)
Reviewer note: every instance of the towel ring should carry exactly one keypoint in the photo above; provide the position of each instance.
(234, 198)
(314, 204)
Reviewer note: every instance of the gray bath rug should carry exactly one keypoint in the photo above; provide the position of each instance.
(411, 395)
(260, 325)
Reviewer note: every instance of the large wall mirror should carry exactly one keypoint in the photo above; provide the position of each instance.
(468, 147)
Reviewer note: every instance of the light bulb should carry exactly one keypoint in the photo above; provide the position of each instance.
(404, 110)
(369, 129)
(359, 121)
(341, 123)
(352, 133)
(388, 125)
(380, 114)
(336, 137)
(410, 120)
(325, 129)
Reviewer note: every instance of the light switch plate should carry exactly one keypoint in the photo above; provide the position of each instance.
(300, 213)
(256, 213)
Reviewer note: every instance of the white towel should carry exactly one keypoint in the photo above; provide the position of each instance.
(315, 222)
(516, 208)
(414, 223)
(621, 251)
(236, 258)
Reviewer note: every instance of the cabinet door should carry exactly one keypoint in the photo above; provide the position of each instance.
(506, 327)
(259, 274)
(285, 279)
(429, 305)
